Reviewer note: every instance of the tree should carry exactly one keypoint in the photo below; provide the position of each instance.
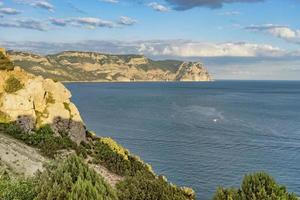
(259, 186)
(72, 179)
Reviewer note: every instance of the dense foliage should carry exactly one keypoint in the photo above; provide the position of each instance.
(73, 180)
(44, 139)
(5, 63)
(141, 187)
(12, 84)
(16, 189)
(70, 180)
(117, 159)
(139, 177)
(259, 186)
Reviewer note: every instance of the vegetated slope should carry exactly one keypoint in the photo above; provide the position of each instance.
(90, 66)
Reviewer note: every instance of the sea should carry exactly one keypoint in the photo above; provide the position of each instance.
(201, 135)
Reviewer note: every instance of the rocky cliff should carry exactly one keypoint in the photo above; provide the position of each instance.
(32, 102)
(89, 66)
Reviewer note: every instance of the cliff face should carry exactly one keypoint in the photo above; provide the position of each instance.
(85, 66)
(33, 102)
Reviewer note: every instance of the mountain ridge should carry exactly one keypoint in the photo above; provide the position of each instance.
(77, 66)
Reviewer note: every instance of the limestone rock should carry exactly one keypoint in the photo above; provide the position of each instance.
(41, 102)
(58, 90)
(192, 72)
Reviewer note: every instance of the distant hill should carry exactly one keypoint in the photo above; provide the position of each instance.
(90, 66)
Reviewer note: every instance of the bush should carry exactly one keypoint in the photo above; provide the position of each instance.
(69, 180)
(73, 180)
(19, 189)
(117, 159)
(255, 187)
(5, 63)
(227, 194)
(142, 187)
(12, 84)
(44, 139)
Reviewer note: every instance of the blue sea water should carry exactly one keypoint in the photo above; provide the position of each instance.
(201, 135)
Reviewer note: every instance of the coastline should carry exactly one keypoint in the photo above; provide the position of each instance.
(142, 81)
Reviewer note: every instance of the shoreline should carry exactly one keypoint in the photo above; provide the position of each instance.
(137, 81)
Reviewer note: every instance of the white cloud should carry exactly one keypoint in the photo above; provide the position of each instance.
(283, 32)
(43, 5)
(87, 22)
(9, 11)
(92, 22)
(58, 22)
(124, 20)
(158, 7)
(25, 24)
(110, 1)
(230, 13)
(198, 49)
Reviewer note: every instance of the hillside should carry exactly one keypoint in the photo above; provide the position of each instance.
(46, 152)
(90, 66)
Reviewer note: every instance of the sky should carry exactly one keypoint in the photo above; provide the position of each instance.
(235, 39)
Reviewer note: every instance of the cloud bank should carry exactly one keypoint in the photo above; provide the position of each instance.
(159, 48)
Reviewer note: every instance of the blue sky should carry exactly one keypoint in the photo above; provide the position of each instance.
(236, 39)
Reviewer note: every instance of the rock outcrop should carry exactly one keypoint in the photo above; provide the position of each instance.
(40, 102)
(192, 72)
(97, 67)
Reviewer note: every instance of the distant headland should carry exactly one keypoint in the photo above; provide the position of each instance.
(74, 66)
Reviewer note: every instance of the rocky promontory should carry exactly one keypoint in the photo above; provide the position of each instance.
(99, 67)
(32, 102)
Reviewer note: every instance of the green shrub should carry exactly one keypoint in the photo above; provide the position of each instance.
(227, 194)
(18, 189)
(12, 84)
(44, 139)
(69, 180)
(73, 180)
(144, 187)
(5, 63)
(117, 159)
(256, 187)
